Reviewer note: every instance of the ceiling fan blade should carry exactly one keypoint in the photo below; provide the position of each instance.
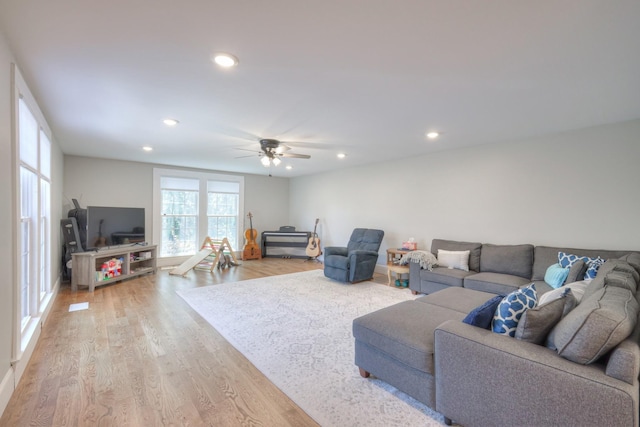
(317, 145)
(295, 156)
(246, 149)
(250, 155)
(281, 147)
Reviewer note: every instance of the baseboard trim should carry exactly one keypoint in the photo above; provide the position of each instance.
(7, 386)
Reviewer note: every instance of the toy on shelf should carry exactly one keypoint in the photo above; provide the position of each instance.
(110, 269)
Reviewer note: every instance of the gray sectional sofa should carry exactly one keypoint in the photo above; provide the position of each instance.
(474, 376)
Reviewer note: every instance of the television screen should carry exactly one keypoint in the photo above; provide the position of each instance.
(108, 226)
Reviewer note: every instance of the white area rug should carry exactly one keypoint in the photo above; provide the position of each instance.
(296, 329)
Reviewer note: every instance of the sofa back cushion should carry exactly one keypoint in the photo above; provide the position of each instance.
(544, 256)
(452, 245)
(596, 325)
(515, 260)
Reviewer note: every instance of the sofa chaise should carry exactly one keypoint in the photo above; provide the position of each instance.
(474, 376)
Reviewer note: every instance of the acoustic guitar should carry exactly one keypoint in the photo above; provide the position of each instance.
(101, 241)
(251, 250)
(313, 248)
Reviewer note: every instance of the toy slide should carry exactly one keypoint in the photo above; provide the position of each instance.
(184, 268)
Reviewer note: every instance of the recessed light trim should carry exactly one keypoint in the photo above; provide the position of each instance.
(433, 135)
(170, 122)
(341, 155)
(147, 148)
(225, 60)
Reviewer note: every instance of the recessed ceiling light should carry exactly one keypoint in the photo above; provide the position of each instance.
(289, 167)
(170, 122)
(147, 148)
(225, 60)
(341, 155)
(433, 135)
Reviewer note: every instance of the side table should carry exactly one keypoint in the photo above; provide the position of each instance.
(393, 264)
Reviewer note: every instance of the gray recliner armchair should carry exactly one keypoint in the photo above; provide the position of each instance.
(357, 261)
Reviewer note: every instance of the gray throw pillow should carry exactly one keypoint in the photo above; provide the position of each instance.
(536, 323)
(596, 325)
(576, 271)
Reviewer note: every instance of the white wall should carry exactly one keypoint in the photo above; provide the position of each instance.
(577, 189)
(101, 182)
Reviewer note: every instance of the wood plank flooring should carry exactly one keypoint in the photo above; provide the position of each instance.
(140, 356)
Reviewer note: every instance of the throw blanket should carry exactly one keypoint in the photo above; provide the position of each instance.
(426, 259)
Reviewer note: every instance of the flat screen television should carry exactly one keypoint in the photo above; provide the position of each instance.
(111, 226)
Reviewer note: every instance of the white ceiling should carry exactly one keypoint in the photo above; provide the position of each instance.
(367, 77)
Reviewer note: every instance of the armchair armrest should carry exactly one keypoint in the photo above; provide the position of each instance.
(335, 250)
(483, 378)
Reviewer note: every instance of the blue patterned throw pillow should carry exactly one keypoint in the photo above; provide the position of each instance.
(592, 268)
(593, 264)
(507, 315)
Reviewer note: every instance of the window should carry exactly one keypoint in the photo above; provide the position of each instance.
(179, 213)
(189, 206)
(33, 180)
(223, 201)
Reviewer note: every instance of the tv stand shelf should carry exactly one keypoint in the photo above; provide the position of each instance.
(135, 262)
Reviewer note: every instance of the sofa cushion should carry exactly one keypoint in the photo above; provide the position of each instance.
(458, 299)
(621, 279)
(511, 308)
(596, 325)
(452, 245)
(556, 275)
(444, 275)
(536, 323)
(626, 266)
(633, 259)
(482, 315)
(458, 260)
(417, 321)
(609, 266)
(495, 283)
(515, 260)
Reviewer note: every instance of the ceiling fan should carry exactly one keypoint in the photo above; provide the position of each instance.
(272, 150)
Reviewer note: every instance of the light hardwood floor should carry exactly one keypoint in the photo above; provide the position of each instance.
(140, 356)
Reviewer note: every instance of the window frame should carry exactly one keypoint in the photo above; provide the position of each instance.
(40, 238)
(202, 221)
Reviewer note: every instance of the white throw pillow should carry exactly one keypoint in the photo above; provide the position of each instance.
(577, 289)
(454, 259)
